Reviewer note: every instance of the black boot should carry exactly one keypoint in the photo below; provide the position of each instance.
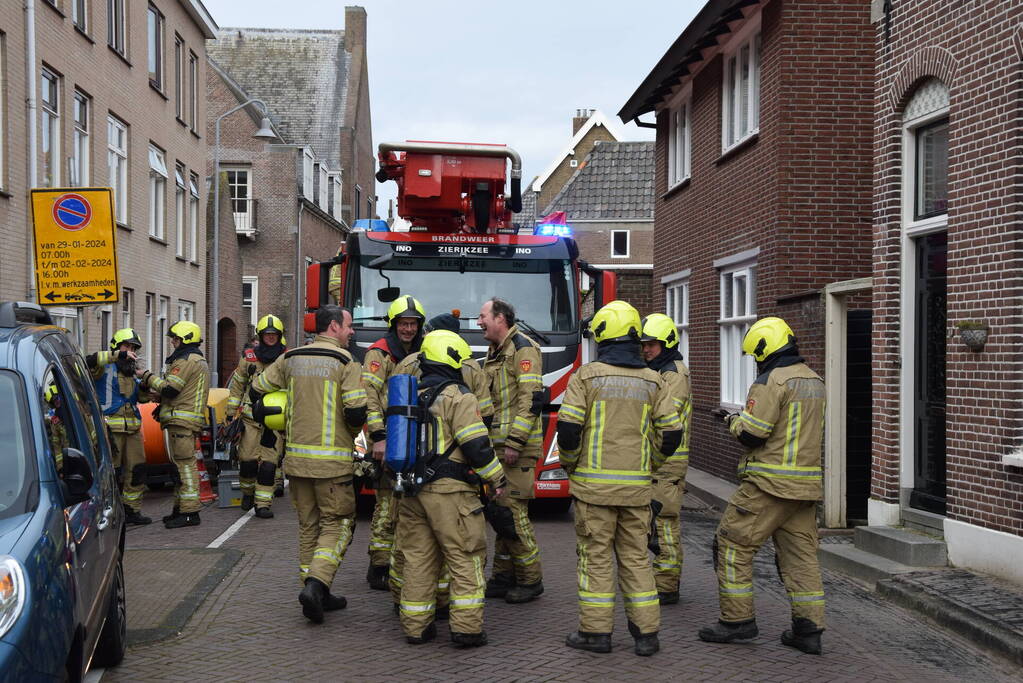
(264, 513)
(646, 643)
(279, 491)
(524, 592)
(428, 634)
(668, 597)
(183, 519)
(248, 500)
(805, 636)
(135, 517)
(377, 577)
(443, 613)
(469, 639)
(174, 513)
(499, 584)
(728, 631)
(332, 602)
(312, 598)
(594, 642)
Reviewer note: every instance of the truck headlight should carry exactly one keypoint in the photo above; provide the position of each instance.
(556, 474)
(12, 592)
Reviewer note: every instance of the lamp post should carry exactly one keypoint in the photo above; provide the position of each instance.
(265, 132)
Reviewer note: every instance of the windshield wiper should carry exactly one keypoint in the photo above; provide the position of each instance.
(532, 331)
(369, 317)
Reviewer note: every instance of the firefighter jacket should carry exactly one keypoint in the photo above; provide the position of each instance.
(249, 367)
(472, 375)
(380, 361)
(326, 407)
(514, 369)
(783, 425)
(182, 389)
(610, 417)
(119, 394)
(676, 380)
(456, 420)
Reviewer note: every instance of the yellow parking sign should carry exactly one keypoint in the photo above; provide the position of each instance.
(76, 255)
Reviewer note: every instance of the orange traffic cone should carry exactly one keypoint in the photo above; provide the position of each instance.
(206, 494)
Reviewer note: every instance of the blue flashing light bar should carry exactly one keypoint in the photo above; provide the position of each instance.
(554, 230)
(370, 225)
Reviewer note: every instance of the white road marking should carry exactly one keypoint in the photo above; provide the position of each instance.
(232, 530)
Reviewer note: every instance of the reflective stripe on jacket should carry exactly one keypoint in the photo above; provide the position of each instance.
(457, 417)
(676, 381)
(472, 375)
(191, 377)
(514, 369)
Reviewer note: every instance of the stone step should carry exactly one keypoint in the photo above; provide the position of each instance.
(921, 520)
(899, 545)
(859, 564)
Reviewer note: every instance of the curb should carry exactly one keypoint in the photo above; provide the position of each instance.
(971, 624)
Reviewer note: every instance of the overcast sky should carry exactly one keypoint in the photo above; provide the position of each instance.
(473, 72)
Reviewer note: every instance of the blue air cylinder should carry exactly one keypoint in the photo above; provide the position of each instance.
(402, 425)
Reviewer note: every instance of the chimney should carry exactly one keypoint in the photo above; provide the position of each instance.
(580, 119)
(355, 28)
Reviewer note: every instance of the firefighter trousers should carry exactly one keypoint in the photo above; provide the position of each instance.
(668, 563)
(257, 464)
(622, 530)
(520, 558)
(182, 451)
(434, 528)
(381, 527)
(753, 516)
(130, 460)
(326, 520)
(396, 573)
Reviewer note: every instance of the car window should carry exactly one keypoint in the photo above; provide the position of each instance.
(16, 464)
(82, 388)
(58, 423)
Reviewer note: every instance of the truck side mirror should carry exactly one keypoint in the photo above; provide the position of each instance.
(76, 478)
(388, 294)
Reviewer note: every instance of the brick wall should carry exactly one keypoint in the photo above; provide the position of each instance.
(358, 157)
(976, 49)
(564, 171)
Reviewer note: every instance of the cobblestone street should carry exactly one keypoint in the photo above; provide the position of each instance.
(250, 627)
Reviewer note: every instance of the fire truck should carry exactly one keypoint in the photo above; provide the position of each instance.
(458, 247)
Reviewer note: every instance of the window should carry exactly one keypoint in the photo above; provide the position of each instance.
(127, 306)
(239, 185)
(619, 243)
(307, 174)
(157, 192)
(930, 181)
(106, 323)
(116, 20)
(154, 34)
(335, 203)
(50, 134)
(193, 100)
(369, 208)
(678, 144)
(676, 307)
(925, 158)
(79, 14)
(250, 301)
(80, 141)
(193, 215)
(150, 313)
(3, 109)
(738, 312)
(117, 165)
(180, 209)
(322, 194)
(66, 317)
(740, 93)
(358, 203)
(179, 77)
(186, 310)
(161, 332)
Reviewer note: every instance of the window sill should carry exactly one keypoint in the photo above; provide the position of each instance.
(193, 263)
(677, 187)
(181, 258)
(5, 194)
(55, 8)
(85, 35)
(181, 121)
(734, 150)
(153, 238)
(120, 55)
(620, 256)
(124, 226)
(194, 134)
(155, 86)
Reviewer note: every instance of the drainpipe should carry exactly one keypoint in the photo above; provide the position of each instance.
(299, 279)
(32, 107)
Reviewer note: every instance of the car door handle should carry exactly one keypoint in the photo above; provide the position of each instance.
(104, 521)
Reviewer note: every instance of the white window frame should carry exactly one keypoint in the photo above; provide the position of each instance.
(150, 317)
(243, 220)
(106, 324)
(336, 199)
(253, 282)
(180, 209)
(323, 193)
(736, 313)
(80, 147)
(680, 139)
(628, 244)
(193, 216)
(733, 131)
(156, 26)
(117, 35)
(676, 307)
(307, 173)
(179, 77)
(186, 310)
(66, 317)
(49, 132)
(162, 325)
(80, 15)
(193, 98)
(157, 192)
(127, 306)
(357, 213)
(117, 165)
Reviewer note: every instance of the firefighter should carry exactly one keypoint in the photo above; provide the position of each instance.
(443, 521)
(660, 351)
(259, 450)
(514, 369)
(609, 410)
(182, 392)
(780, 483)
(327, 408)
(119, 392)
(405, 318)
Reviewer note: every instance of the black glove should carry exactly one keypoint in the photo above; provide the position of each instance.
(501, 520)
(652, 541)
(724, 415)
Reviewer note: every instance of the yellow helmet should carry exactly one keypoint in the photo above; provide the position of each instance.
(186, 330)
(405, 307)
(125, 335)
(270, 323)
(443, 346)
(275, 405)
(617, 321)
(51, 392)
(766, 337)
(659, 327)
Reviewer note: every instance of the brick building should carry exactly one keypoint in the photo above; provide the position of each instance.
(762, 194)
(589, 126)
(118, 102)
(948, 185)
(291, 199)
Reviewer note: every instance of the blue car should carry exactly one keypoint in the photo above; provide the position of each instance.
(61, 520)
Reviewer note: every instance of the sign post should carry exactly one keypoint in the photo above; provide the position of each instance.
(76, 255)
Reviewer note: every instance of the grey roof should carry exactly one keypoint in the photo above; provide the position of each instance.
(300, 74)
(527, 217)
(615, 181)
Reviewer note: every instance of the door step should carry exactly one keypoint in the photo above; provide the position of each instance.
(882, 552)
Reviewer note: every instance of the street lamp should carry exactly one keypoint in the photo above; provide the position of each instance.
(265, 132)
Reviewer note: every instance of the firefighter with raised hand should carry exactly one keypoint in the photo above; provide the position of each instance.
(442, 522)
(613, 411)
(476, 381)
(782, 425)
(182, 392)
(119, 392)
(660, 351)
(405, 318)
(326, 409)
(259, 449)
(514, 369)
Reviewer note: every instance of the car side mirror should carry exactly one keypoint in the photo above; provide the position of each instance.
(77, 477)
(388, 294)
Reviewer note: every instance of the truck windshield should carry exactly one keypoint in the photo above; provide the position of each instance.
(541, 290)
(14, 463)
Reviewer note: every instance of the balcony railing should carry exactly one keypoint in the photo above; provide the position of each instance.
(245, 219)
